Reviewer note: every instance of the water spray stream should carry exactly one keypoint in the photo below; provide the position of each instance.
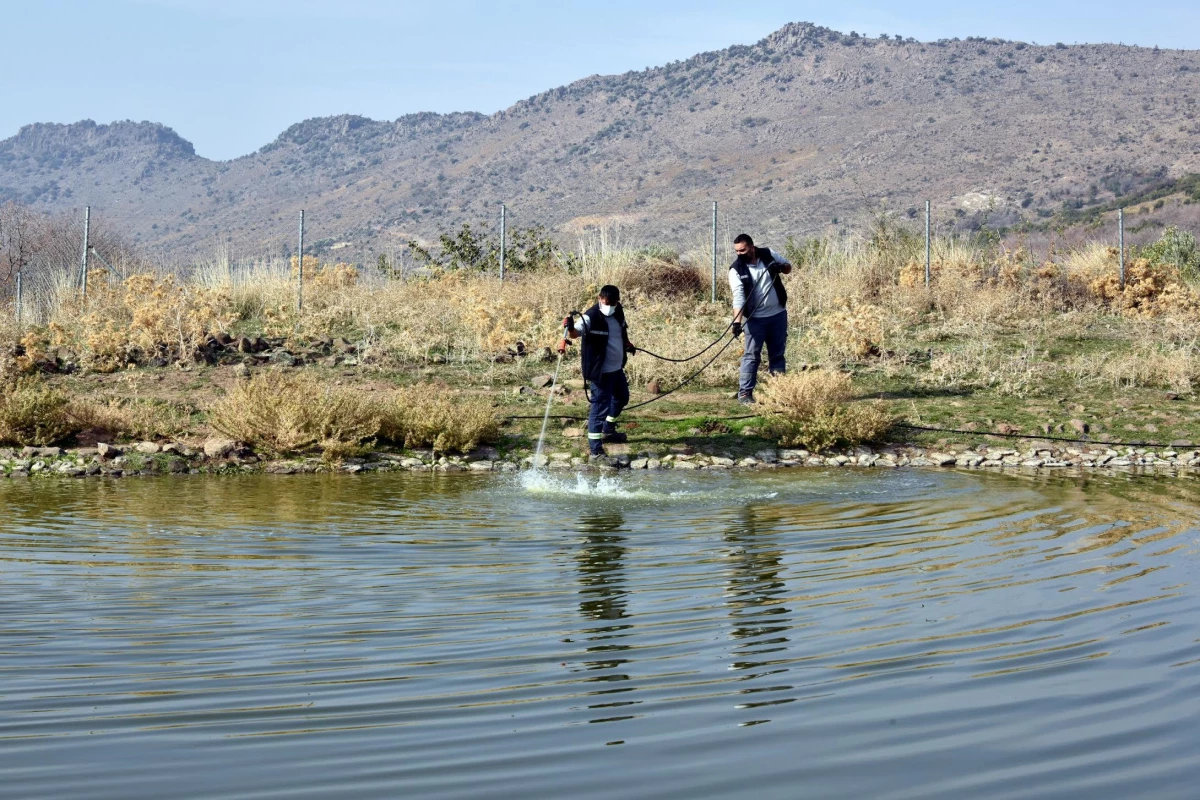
(537, 456)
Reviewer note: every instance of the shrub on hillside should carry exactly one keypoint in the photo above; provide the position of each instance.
(1176, 249)
(813, 410)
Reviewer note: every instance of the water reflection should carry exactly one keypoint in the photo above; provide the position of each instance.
(950, 635)
(603, 594)
(755, 591)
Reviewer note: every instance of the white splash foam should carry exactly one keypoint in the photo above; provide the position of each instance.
(540, 482)
(537, 481)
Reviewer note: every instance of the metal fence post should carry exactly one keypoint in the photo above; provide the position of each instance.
(87, 226)
(928, 246)
(20, 300)
(714, 252)
(300, 267)
(1121, 243)
(503, 239)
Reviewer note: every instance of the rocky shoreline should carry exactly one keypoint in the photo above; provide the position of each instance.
(221, 456)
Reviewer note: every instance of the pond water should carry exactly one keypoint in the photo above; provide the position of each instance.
(899, 634)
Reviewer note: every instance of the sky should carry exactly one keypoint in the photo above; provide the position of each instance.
(231, 75)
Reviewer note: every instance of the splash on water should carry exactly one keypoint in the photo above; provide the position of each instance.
(602, 487)
(537, 481)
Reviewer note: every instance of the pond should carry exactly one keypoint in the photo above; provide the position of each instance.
(899, 634)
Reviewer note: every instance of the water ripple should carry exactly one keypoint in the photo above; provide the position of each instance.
(835, 634)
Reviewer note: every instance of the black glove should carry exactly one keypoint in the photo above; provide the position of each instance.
(567, 321)
(737, 329)
(629, 348)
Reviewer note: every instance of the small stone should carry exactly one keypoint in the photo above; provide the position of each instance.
(219, 448)
(1079, 426)
(769, 456)
(480, 466)
(147, 448)
(573, 433)
(106, 450)
(240, 370)
(652, 387)
(542, 381)
(653, 463)
(639, 463)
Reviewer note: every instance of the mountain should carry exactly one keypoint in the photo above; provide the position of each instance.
(802, 128)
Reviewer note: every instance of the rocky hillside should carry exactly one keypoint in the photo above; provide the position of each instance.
(804, 128)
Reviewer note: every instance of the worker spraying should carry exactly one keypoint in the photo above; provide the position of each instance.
(604, 351)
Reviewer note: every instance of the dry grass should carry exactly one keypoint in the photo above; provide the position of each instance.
(814, 410)
(855, 299)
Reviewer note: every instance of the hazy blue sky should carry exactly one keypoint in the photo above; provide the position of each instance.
(230, 76)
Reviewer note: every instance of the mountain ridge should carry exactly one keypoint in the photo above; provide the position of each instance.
(806, 126)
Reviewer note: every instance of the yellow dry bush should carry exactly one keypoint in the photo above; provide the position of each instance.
(32, 413)
(1149, 291)
(278, 413)
(143, 316)
(851, 332)
(425, 416)
(814, 410)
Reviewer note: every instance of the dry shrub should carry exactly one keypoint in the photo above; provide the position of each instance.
(426, 416)
(656, 277)
(32, 413)
(851, 332)
(278, 413)
(1149, 291)
(814, 410)
(125, 322)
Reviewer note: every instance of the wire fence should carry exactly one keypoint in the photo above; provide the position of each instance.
(709, 248)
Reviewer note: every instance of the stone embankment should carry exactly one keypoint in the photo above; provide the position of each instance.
(221, 456)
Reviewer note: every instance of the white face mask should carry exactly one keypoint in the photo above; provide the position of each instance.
(607, 310)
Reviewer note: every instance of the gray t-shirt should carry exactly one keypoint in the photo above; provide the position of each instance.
(765, 300)
(614, 356)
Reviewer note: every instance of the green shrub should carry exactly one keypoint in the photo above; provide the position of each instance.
(1176, 249)
(424, 416)
(34, 414)
(278, 414)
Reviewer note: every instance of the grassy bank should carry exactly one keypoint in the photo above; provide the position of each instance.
(997, 343)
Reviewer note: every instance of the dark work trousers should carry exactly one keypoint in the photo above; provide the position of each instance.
(610, 395)
(772, 332)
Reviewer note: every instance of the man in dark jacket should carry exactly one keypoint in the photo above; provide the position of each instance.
(605, 349)
(760, 307)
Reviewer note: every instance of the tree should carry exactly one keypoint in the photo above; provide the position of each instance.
(16, 240)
